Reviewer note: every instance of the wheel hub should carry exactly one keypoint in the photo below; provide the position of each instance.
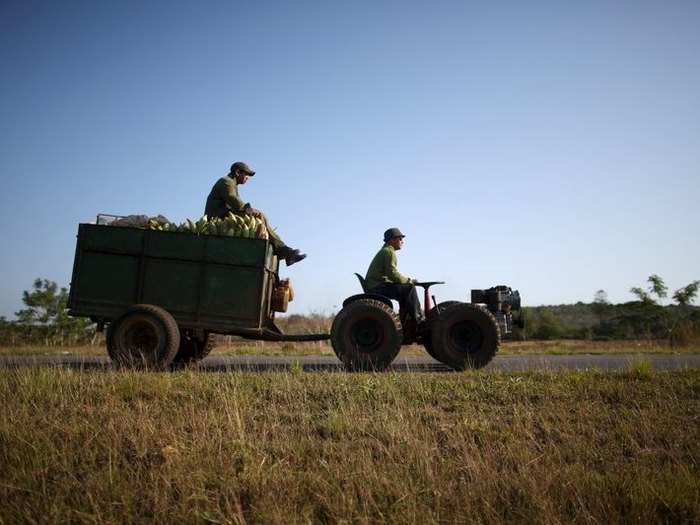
(367, 335)
(466, 337)
(141, 337)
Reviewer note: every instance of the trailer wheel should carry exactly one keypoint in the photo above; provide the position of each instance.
(193, 349)
(145, 337)
(465, 336)
(366, 335)
(432, 315)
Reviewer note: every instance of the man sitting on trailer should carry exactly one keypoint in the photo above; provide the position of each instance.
(224, 198)
(384, 278)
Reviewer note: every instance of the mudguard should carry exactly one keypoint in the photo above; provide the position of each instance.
(375, 296)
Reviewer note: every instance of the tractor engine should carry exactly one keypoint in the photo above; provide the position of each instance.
(501, 301)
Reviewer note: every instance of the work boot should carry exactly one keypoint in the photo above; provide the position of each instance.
(294, 256)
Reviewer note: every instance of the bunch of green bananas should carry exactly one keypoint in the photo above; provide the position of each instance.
(231, 226)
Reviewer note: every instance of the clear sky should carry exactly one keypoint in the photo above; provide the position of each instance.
(551, 146)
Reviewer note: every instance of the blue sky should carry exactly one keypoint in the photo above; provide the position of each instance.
(551, 146)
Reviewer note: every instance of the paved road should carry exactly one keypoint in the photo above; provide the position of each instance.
(412, 363)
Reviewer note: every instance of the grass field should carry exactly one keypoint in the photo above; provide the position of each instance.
(570, 447)
(240, 347)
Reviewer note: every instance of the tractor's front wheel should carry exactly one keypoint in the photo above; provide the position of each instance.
(464, 336)
(366, 335)
(432, 315)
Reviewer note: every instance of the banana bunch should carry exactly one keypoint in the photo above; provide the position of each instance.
(230, 226)
(155, 224)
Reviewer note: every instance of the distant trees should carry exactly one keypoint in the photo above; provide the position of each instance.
(643, 318)
(657, 287)
(46, 305)
(543, 324)
(601, 298)
(647, 318)
(45, 319)
(686, 295)
(683, 296)
(600, 304)
(686, 330)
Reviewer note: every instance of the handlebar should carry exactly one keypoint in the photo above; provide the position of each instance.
(427, 284)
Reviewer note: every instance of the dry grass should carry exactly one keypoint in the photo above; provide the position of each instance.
(581, 447)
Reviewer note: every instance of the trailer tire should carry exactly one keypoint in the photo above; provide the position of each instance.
(432, 315)
(193, 349)
(465, 336)
(144, 337)
(366, 335)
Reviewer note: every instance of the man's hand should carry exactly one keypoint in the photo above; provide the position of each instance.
(249, 210)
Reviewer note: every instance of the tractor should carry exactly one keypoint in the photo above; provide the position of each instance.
(161, 295)
(367, 334)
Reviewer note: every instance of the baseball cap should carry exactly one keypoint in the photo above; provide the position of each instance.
(391, 233)
(242, 166)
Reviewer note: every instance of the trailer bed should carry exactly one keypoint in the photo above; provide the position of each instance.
(213, 283)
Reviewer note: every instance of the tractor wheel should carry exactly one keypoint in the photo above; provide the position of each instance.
(366, 335)
(465, 336)
(145, 337)
(432, 314)
(192, 349)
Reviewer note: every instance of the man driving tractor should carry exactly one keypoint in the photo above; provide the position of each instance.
(224, 198)
(384, 278)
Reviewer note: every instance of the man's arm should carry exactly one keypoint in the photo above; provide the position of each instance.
(392, 272)
(229, 192)
(235, 203)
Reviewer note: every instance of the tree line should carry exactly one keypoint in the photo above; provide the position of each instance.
(642, 318)
(44, 319)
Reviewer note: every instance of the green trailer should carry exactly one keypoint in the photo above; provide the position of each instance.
(162, 294)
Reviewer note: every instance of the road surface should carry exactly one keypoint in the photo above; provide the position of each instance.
(408, 363)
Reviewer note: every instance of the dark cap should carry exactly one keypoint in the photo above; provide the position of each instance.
(242, 166)
(391, 233)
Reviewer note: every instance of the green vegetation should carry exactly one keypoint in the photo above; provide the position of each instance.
(44, 320)
(644, 319)
(575, 447)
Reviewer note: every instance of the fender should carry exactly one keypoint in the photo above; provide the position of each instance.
(375, 296)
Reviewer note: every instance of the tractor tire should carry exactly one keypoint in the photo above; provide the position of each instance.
(366, 335)
(192, 349)
(144, 337)
(465, 336)
(432, 314)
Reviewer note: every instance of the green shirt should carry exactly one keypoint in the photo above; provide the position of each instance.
(383, 269)
(223, 198)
